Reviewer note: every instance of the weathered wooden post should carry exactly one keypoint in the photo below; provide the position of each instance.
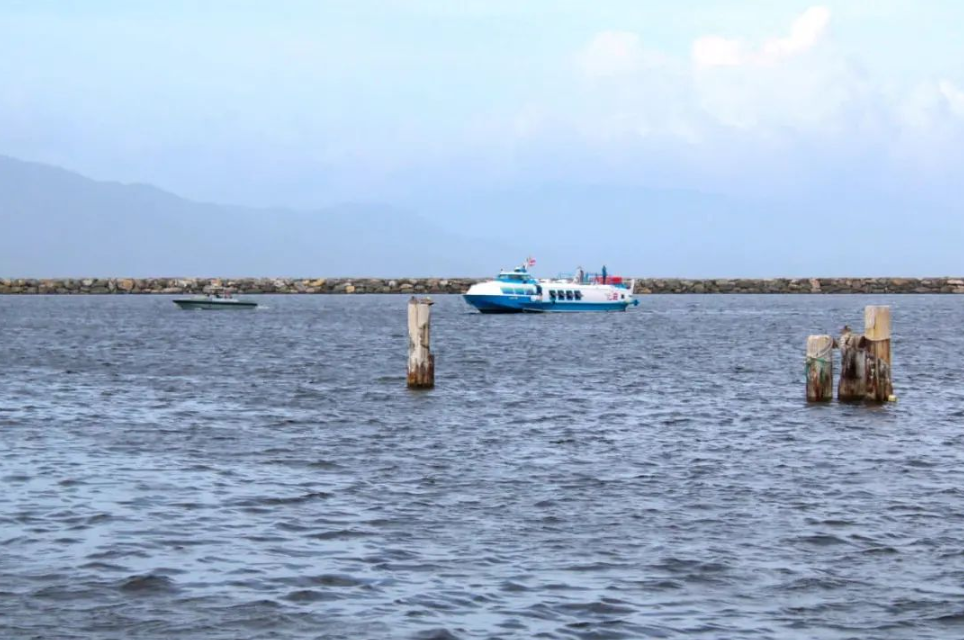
(851, 387)
(819, 369)
(421, 363)
(878, 386)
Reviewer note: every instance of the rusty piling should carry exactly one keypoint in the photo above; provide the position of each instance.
(819, 368)
(421, 362)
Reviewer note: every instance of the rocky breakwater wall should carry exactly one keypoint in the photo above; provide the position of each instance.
(191, 286)
(802, 285)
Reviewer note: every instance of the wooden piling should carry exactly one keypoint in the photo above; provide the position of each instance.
(877, 373)
(852, 385)
(819, 368)
(421, 363)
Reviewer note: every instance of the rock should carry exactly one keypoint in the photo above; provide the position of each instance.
(460, 285)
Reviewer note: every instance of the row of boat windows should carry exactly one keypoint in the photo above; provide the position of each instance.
(518, 292)
(553, 293)
(573, 295)
(565, 295)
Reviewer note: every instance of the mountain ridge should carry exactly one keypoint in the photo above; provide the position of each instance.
(59, 223)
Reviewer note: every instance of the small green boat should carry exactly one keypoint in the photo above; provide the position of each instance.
(214, 302)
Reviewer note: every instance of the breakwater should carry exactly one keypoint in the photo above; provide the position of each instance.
(460, 285)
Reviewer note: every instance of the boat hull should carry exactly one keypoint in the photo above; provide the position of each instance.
(214, 304)
(525, 304)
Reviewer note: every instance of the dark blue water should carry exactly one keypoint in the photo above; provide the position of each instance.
(241, 475)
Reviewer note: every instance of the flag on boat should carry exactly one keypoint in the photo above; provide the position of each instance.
(530, 261)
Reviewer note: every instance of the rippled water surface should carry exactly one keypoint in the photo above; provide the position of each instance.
(655, 473)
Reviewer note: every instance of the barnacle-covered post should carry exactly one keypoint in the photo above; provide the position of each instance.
(878, 384)
(819, 369)
(421, 363)
(851, 387)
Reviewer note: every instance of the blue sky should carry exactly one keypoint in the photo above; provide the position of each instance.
(306, 103)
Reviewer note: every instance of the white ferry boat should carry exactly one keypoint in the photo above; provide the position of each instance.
(517, 291)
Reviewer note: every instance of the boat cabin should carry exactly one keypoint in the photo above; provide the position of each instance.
(517, 276)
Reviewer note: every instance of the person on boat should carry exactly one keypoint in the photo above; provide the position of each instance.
(579, 275)
(604, 274)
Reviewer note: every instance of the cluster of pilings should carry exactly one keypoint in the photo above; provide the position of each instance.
(865, 371)
(865, 362)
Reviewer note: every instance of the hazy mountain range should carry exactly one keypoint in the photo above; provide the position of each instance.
(57, 223)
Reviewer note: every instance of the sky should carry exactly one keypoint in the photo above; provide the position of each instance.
(309, 103)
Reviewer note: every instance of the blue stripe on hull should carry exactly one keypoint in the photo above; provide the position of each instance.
(583, 306)
(522, 304)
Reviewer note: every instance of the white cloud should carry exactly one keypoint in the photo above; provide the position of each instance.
(771, 102)
(807, 29)
(714, 51)
(929, 108)
(774, 85)
(726, 82)
(805, 32)
(953, 95)
(612, 53)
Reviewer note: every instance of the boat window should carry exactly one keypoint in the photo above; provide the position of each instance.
(579, 295)
(506, 290)
(568, 295)
(552, 294)
(622, 296)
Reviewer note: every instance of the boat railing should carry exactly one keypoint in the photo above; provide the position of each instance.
(595, 278)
